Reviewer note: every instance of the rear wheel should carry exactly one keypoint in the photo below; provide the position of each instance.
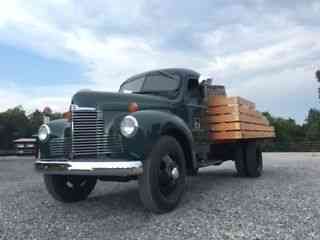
(164, 176)
(254, 163)
(240, 161)
(69, 188)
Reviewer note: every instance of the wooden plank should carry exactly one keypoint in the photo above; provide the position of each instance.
(222, 110)
(224, 118)
(250, 119)
(233, 126)
(255, 127)
(234, 109)
(225, 126)
(225, 135)
(239, 135)
(237, 118)
(253, 134)
(214, 101)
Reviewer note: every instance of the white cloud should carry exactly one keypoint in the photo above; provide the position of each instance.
(256, 48)
(283, 93)
(31, 98)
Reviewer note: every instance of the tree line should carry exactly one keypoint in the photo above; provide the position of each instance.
(15, 123)
(292, 136)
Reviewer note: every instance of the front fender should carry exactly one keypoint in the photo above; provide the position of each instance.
(60, 128)
(152, 125)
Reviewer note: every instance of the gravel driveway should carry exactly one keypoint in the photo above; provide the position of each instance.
(283, 204)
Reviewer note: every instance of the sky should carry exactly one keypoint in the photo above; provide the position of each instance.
(266, 51)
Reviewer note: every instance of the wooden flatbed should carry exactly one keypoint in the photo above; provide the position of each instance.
(235, 118)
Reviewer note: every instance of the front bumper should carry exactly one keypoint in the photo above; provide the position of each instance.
(95, 168)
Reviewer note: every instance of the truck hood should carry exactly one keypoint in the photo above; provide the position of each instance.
(118, 101)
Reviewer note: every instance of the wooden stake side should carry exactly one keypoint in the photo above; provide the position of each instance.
(215, 101)
(232, 109)
(237, 135)
(240, 126)
(253, 134)
(235, 118)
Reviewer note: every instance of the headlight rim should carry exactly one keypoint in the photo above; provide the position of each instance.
(47, 134)
(135, 124)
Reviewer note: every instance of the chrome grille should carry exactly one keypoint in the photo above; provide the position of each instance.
(88, 135)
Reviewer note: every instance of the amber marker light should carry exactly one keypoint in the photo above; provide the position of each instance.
(67, 116)
(133, 107)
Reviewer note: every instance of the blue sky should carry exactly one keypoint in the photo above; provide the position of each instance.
(24, 67)
(266, 51)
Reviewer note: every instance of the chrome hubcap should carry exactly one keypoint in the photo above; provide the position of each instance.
(171, 167)
(169, 175)
(175, 173)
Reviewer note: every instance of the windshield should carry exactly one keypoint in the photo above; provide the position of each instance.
(156, 82)
(133, 86)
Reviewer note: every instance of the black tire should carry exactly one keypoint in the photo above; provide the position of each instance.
(240, 163)
(69, 188)
(193, 172)
(160, 190)
(254, 163)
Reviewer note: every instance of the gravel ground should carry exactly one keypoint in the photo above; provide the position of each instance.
(283, 204)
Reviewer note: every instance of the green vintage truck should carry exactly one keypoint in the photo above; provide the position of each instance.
(152, 131)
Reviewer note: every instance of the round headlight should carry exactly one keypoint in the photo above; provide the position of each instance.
(129, 126)
(43, 132)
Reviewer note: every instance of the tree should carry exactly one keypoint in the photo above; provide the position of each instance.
(287, 130)
(36, 119)
(13, 124)
(312, 125)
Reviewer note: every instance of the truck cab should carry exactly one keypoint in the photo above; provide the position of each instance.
(153, 130)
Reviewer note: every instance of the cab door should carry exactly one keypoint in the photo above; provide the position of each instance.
(196, 110)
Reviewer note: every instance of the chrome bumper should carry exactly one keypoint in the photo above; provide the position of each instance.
(119, 168)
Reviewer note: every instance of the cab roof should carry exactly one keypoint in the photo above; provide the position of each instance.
(180, 71)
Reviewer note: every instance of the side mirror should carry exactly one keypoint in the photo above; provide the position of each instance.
(207, 82)
(212, 90)
(204, 88)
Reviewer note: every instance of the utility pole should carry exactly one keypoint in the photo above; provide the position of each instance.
(318, 77)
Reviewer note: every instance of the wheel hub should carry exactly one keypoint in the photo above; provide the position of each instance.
(175, 173)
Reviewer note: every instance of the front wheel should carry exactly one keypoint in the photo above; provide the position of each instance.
(164, 176)
(69, 188)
